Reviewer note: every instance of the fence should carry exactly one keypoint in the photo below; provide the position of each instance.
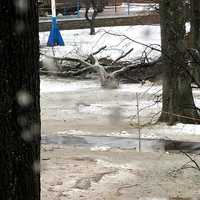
(76, 8)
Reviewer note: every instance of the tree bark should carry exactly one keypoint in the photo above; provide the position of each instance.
(93, 4)
(19, 101)
(178, 102)
(195, 35)
(195, 23)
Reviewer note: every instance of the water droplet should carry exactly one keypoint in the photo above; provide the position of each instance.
(21, 5)
(22, 121)
(19, 26)
(24, 98)
(27, 135)
(35, 129)
(36, 166)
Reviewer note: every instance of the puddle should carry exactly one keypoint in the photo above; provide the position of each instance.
(147, 144)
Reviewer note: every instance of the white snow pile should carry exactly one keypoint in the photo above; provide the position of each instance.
(118, 40)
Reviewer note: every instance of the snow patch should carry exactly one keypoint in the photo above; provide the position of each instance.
(80, 43)
(100, 148)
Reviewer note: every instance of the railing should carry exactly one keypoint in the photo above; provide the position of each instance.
(113, 8)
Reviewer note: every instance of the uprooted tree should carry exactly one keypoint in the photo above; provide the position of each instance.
(107, 79)
(110, 72)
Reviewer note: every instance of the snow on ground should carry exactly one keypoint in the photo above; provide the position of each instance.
(102, 172)
(49, 85)
(138, 7)
(94, 111)
(61, 85)
(121, 102)
(80, 43)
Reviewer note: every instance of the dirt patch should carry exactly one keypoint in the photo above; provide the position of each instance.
(116, 174)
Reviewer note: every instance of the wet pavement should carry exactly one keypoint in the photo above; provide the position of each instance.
(109, 142)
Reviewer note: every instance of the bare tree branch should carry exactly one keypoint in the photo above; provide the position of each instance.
(123, 56)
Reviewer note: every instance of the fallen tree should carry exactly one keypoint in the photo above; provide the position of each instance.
(110, 72)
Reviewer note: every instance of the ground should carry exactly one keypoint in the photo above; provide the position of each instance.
(78, 163)
(90, 147)
(79, 173)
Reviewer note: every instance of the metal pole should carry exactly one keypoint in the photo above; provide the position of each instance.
(138, 121)
(128, 2)
(115, 6)
(53, 8)
(78, 8)
(65, 8)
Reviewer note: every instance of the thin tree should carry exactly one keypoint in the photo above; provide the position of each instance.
(94, 5)
(178, 103)
(19, 101)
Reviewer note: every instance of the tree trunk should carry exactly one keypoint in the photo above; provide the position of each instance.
(91, 21)
(19, 100)
(195, 23)
(195, 33)
(178, 103)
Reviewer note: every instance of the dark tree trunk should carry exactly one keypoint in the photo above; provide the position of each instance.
(93, 4)
(178, 103)
(19, 101)
(195, 23)
(195, 34)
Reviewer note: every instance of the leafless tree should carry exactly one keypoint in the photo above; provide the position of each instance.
(97, 6)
